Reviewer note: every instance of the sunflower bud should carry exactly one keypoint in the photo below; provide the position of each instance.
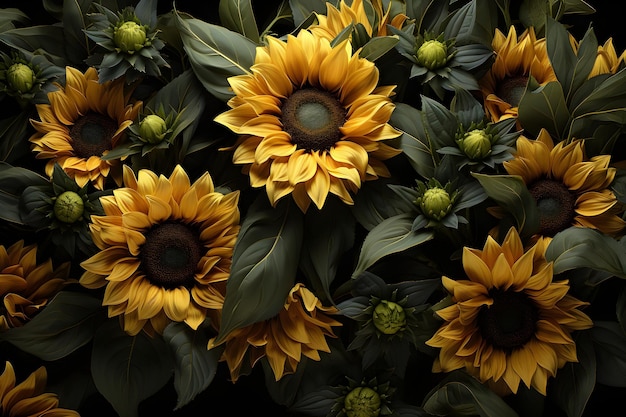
(362, 402)
(20, 77)
(389, 317)
(432, 54)
(435, 203)
(129, 37)
(476, 144)
(69, 207)
(152, 128)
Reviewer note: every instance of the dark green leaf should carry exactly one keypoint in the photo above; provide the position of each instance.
(128, 369)
(13, 137)
(606, 98)
(302, 9)
(610, 345)
(74, 25)
(10, 15)
(378, 46)
(48, 40)
(377, 201)
(414, 141)
(544, 107)
(440, 123)
(265, 260)
(238, 16)
(63, 326)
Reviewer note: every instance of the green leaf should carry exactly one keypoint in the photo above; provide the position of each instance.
(575, 382)
(10, 15)
(510, 192)
(578, 247)
(544, 107)
(606, 98)
(238, 15)
(265, 260)
(194, 365)
(377, 201)
(74, 26)
(392, 235)
(610, 344)
(64, 325)
(302, 9)
(48, 40)
(128, 369)
(413, 141)
(440, 123)
(378, 46)
(13, 137)
(462, 395)
(215, 54)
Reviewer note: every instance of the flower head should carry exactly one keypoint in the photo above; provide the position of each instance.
(165, 249)
(84, 121)
(311, 120)
(152, 128)
(23, 78)
(26, 285)
(432, 54)
(28, 398)
(509, 322)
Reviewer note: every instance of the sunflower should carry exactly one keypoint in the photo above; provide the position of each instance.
(84, 120)
(26, 286)
(509, 322)
(517, 58)
(570, 189)
(298, 329)
(607, 61)
(28, 397)
(311, 120)
(165, 249)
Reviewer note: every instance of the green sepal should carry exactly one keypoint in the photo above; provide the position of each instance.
(238, 16)
(610, 345)
(264, 266)
(544, 107)
(510, 192)
(215, 53)
(67, 323)
(578, 247)
(194, 365)
(128, 369)
(390, 236)
(460, 394)
(414, 141)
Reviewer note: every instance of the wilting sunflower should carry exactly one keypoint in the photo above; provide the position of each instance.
(570, 189)
(166, 249)
(25, 285)
(29, 398)
(517, 58)
(311, 119)
(300, 328)
(509, 322)
(84, 120)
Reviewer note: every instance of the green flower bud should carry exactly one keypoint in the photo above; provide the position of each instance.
(69, 207)
(21, 77)
(152, 128)
(389, 317)
(435, 203)
(129, 37)
(362, 402)
(476, 144)
(432, 54)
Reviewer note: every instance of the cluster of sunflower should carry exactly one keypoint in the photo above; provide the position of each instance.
(356, 208)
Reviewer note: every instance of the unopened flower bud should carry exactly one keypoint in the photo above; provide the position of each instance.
(129, 37)
(152, 128)
(432, 54)
(362, 402)
(476, 144)
(69, 207)
(20, 77)
(435, 203)
(389, 317)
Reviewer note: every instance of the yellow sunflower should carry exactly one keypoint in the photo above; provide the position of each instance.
(517, 58)
(607, 61)
(26, 286)
(166, 249)
(84, 120)
(509, 322)
(28, 397)
(298, 329)
(311, 119)
(335, 20)
(570, 189)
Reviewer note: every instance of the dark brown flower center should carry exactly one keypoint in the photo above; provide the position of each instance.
(510, 321)
(555, 204)
(312, 118)
(170, 255)
(511, 89)
(92, 134)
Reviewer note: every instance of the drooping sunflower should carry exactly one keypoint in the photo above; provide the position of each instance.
(311, 120)
(300, 328)
(84, 120)
(509, 322)
(166, 247)
(517, 58)
(28, 398)
(25, 285)
(570, 189)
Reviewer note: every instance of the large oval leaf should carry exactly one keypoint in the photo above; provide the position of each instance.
(238, 15)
